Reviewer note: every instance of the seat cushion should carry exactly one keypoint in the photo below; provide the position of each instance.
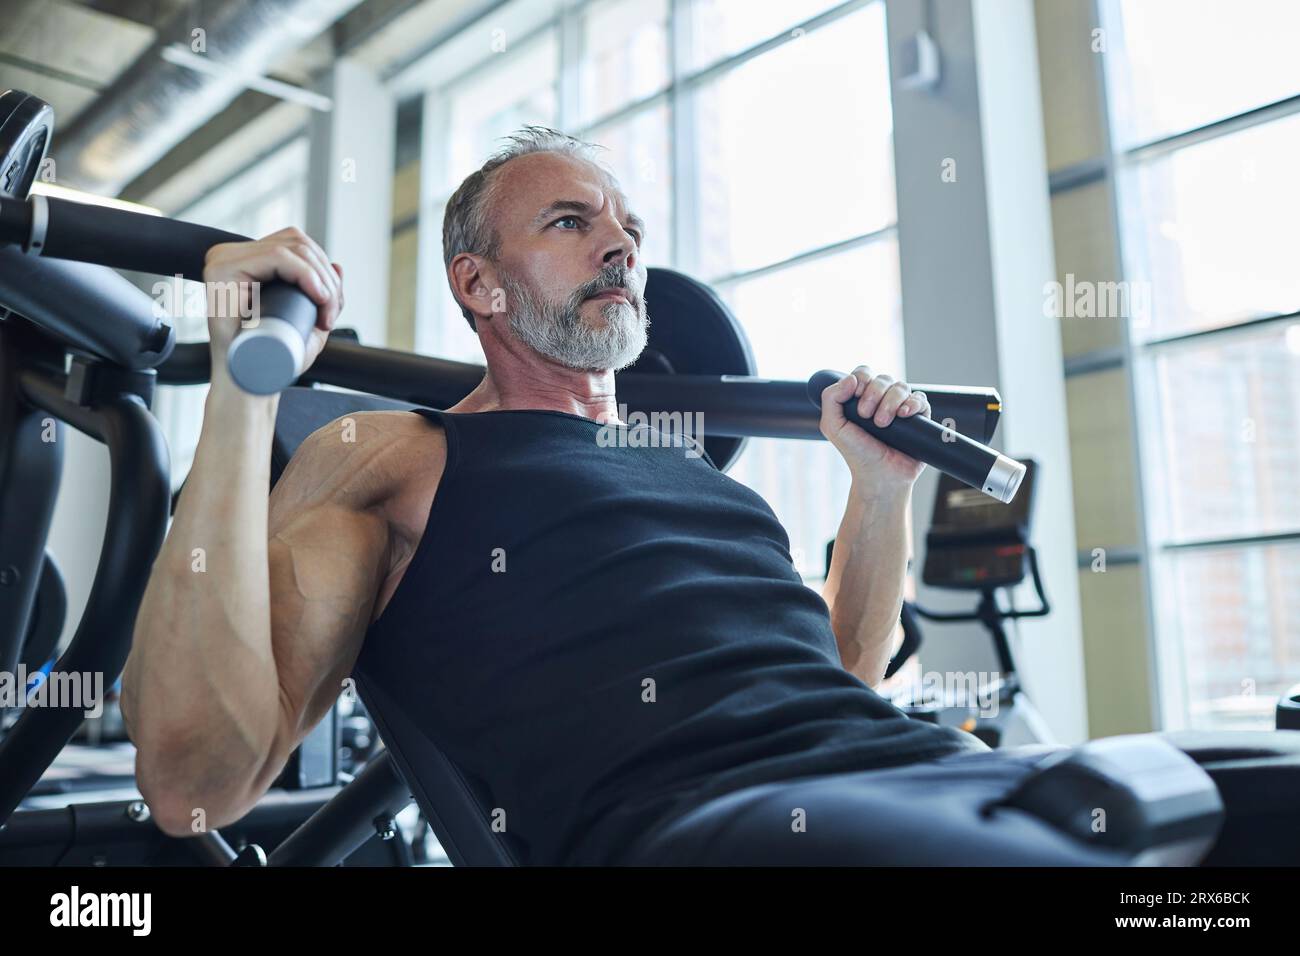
(1258, 776)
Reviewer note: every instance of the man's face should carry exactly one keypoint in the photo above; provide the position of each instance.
(570, 262)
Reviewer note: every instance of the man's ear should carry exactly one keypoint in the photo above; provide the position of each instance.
(472, 288)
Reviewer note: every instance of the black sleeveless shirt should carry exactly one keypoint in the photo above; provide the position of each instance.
(608, 633)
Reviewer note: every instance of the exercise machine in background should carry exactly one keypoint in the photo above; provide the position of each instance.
(980, 545)
(975, 543)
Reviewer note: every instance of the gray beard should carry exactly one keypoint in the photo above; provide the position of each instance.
(557, 330)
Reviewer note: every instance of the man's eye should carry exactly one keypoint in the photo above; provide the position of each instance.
(572, 219)
(636, 235)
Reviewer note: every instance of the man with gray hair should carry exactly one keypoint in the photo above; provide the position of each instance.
(553, 327)
(612, 637)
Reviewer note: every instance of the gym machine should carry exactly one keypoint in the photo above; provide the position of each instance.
(65, 306)
(976, 544)
(81, 346)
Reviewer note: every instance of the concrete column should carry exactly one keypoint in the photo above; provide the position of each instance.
(976, 250)
(350, 190)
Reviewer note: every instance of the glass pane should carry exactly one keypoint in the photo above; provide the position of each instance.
(1212, 227)
(1226, 435)
(782, 167)
(1178, 64)
(260, 200)
(638, 153)
(1233, 617)
(516, 88)
(263, 199)
(719, 28)
(835, 312)
(624, 54)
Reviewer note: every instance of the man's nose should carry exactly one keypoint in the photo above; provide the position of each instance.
(617, 244)
(622, 251)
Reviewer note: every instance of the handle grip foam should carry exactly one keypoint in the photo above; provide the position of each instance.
(926, 440)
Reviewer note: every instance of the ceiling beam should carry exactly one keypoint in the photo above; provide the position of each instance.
(149, 13)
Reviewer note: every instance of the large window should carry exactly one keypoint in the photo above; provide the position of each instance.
(1205, 117)
(716, 119)
(1179, 64)
(269, 195)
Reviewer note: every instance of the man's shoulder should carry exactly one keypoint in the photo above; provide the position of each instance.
(369, 458)
(382, 423)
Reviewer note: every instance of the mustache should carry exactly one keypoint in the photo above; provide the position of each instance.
(614, 277)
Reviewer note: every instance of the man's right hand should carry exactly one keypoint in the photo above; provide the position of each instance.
(289, 255)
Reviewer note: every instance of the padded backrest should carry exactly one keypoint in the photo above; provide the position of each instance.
(455, 804)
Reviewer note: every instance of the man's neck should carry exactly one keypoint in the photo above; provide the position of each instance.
(543, 385)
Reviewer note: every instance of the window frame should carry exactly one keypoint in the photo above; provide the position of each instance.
(566, 21)
(1138, 358)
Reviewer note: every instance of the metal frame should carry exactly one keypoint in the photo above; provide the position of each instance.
(29, 476)
(111, 405)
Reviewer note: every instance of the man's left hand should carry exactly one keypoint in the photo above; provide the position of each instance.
(880, 398)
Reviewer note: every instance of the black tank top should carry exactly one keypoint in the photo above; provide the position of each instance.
(609, 633)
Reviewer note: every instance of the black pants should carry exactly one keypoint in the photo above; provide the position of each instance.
(938, 813)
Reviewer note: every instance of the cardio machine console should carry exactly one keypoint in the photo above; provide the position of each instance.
(975, 542)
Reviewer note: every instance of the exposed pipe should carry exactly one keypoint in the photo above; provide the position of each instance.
(156, 103)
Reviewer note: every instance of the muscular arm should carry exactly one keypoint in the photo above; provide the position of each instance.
(199, 691)
(254, 609)
(236, 658)
(864, 585)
